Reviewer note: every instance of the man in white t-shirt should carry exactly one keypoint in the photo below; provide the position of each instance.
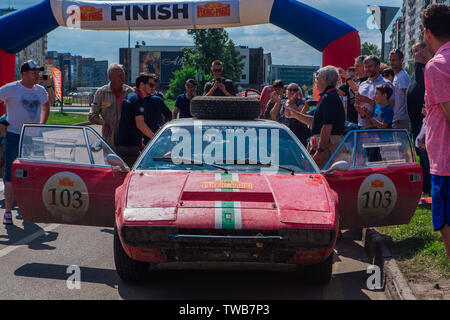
(26, 102)
(364, 99)
(401, 83)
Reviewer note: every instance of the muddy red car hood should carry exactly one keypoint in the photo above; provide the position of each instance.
(157, 190)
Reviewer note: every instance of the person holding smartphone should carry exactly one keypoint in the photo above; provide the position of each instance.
(219, 86)
(46, 81)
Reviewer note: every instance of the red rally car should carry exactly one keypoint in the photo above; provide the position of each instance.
(217, 191)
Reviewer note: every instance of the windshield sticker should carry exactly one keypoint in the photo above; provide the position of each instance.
(226, 184)
(66, 196)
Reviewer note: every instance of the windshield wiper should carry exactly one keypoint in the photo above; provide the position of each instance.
(288, 169)
(189, 161)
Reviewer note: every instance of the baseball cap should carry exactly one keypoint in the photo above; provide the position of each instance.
(191, 81)
(30, 65)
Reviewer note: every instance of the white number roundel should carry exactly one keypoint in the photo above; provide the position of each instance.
(377, 197)
(66, 196)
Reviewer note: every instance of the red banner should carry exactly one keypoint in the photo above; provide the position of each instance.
(56, 75)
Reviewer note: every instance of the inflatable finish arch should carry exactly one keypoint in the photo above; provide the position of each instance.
(339, 42)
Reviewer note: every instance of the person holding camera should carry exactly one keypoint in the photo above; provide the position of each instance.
(26, 102)
(219, 86)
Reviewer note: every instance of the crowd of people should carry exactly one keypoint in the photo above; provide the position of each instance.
(375, 95)
(369, 94)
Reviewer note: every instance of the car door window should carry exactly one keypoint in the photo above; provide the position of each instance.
(54, 144)
(371, 148)
(99, 149)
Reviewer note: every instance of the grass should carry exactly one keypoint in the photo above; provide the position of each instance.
(66, 118)
(416, 247)
(170, 104)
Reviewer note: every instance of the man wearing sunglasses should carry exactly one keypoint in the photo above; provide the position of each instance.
(219, 86)
(132, 123)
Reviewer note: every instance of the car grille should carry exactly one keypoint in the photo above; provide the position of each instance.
(173, 238)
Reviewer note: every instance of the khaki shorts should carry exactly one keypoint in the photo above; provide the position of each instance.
(334, 142)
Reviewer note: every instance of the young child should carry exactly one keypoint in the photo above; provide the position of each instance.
(382, 115)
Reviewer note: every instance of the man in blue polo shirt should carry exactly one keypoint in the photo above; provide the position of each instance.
(183, 102)
(155, 112)
(132, 122)
(328, 123)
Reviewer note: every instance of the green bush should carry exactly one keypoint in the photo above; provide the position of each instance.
(176, 85)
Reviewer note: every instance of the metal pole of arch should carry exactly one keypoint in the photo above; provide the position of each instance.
(129, 57)
(383, 18)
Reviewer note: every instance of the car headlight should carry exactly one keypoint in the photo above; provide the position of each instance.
(309, 238)
(146, 234)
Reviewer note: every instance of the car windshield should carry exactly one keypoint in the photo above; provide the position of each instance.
(234, 148)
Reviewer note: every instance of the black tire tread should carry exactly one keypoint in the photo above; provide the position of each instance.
(319, 273)
(231, 108)
(129, 270)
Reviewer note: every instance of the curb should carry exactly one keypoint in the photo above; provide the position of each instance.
(395, 284)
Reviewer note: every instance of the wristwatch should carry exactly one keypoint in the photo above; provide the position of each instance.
(319, 149)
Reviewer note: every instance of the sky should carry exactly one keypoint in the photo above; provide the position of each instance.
(284, 47)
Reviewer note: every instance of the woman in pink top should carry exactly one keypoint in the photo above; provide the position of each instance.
(437, 100)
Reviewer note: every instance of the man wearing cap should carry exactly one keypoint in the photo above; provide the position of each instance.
(26, 102)
(183, 102)
(108, 102)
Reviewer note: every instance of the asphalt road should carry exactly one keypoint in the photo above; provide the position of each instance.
(35, 262)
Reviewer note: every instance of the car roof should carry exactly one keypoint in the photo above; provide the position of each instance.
(263, 123)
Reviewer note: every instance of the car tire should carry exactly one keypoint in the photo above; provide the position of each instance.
(129, 270)
(229, 108)
(319, 273)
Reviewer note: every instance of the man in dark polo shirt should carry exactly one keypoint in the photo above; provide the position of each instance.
(132, 125)
(328, 123)
(219, 86)
(155, 112)
(183, 102)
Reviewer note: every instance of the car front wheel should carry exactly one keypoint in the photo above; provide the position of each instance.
(129, 270)
(319, 273)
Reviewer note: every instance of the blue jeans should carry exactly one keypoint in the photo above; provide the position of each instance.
(11, 153)
(440, 207)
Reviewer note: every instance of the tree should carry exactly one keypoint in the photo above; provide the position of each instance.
(210, 45)
(368, 49)
(176, 85)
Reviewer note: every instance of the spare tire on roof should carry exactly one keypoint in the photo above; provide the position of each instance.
(232, 108)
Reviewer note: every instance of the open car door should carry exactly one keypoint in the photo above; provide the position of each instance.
(61, 176)
(384, 183)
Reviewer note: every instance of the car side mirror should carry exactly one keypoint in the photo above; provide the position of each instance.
(96, 146)
(341, 166)
(115, 161)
